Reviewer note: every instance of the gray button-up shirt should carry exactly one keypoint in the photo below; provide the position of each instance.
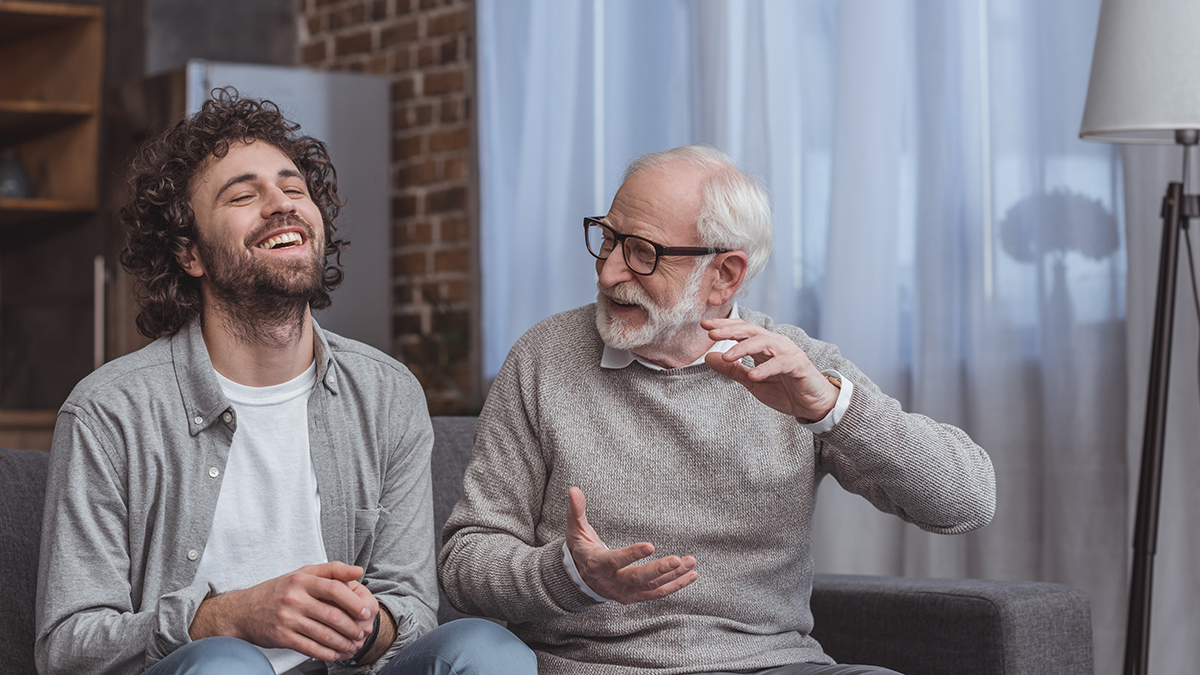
(138, 457)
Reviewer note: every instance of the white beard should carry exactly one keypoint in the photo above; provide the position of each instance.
(661, 325)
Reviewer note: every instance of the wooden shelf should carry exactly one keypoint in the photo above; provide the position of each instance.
(15, 211)
(27, 19)
(29, 118)
(27, 429)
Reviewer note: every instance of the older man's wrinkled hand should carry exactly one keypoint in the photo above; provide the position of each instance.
(782, 377)
(611, 573)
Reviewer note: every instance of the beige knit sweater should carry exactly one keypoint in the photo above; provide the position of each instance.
(691, 462)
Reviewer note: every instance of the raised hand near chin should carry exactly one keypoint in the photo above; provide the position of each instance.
(782, 377)
(611, 573)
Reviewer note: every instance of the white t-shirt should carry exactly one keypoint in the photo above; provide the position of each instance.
(268, 517)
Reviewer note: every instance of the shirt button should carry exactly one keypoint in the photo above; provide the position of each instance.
(192, 554)
(198, 420)
(214, 472)
(228, 417)
(331, 379)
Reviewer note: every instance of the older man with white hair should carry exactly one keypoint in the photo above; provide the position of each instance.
(699, 430)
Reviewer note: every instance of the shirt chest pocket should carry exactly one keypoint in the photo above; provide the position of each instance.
(366, 524)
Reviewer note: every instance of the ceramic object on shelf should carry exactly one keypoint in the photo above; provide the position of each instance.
(14, 182)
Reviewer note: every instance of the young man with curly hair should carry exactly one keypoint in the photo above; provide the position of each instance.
(249, 493)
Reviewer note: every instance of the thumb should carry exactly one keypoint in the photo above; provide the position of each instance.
(733, 370)
(579, 530)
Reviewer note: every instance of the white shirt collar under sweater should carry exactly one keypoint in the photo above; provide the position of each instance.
(617, 359)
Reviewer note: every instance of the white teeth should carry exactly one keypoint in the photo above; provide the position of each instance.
(285, 238)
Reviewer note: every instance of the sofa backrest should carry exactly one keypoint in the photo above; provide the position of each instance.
(22, 493)
(453, 439)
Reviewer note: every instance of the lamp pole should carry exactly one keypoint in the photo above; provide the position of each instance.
(1177, 208)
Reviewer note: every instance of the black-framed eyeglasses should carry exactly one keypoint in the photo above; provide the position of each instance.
(641, 254)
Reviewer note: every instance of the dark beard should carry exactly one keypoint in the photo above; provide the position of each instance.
(264, 305)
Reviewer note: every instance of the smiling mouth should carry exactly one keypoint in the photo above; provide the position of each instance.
(281, 241)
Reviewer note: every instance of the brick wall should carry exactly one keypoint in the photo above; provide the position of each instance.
(426, 48)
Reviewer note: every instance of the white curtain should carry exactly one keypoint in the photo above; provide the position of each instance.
(936, 217)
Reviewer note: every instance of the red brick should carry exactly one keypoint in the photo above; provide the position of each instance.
(454, 169)
(457, 290)
(379, 10)
(355, 43)
(410, 263)
(349, 16)
(453, 229)
(449, 51)
(402, 294)
(429, 4)
(450, 199)
(404, 207)
(403, 7)
(313, 53)
(406, 324)
(416, 174)
(315, 24)
(323, 3)
(405, 147)
(451, 111)
(445, 24)
(451, 139)
(399, 32)
(403, 89)
(446, 81)
(378, 65)
(400, 60)
(456, 322)
(425, 56)
(454, 260)
(424, 114)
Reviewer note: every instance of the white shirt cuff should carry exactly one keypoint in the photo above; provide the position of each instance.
(839, 408)
(569, 563)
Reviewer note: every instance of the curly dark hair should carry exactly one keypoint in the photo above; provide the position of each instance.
(158, 219)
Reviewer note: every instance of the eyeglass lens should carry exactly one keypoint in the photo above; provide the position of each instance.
(639, 253)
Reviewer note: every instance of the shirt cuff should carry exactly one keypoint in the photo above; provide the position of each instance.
(569, 563)
(839, 408)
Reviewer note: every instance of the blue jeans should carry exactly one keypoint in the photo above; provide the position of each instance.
(463, 647)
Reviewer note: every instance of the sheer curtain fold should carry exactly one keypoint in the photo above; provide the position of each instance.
(936, 217)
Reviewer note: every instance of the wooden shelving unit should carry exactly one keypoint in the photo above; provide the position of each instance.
(51, 73)
(50, 93)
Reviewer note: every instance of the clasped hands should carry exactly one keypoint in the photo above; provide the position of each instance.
(321, 611)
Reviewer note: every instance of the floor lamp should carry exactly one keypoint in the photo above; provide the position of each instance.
(1145, 88)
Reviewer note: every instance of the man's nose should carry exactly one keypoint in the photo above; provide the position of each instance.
(613, 270)
(277, 203)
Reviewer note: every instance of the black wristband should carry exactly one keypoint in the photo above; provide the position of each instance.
(362, 653)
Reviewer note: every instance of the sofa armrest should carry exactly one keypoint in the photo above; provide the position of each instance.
(953, 626)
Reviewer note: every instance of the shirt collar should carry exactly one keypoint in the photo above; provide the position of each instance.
(616, 359)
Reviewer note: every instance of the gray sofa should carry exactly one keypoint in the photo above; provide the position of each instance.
(915, 626)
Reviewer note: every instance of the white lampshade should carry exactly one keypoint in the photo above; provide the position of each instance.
(1145, 80)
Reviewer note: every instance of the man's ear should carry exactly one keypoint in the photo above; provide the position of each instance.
(190, 262)
(731, 271)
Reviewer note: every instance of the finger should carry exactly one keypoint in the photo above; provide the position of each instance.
(619, 558)
(334, 569)
(731, 329)
(733, 370)
(316, 636)
(368, 621)
(338, 596)
(667, 589)
(761, 348)
(657, 573)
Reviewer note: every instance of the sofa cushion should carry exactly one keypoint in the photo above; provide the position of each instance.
(453, 440)
(24, 476)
